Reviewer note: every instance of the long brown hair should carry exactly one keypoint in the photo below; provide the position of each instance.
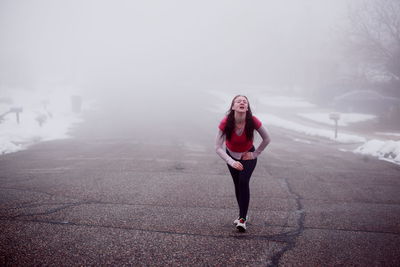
(230, 122)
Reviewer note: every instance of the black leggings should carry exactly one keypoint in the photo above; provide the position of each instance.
(241, 180)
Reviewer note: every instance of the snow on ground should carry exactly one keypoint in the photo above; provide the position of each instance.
(46, 115)
(54, 109)
(282, 101)
(388, 134)
(302, 141)
(388, 150)
(345, 118)
(270, 119)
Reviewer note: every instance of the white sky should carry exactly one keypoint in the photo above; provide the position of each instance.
(102, 44)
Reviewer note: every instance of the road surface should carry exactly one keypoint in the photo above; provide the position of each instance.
(122, 194)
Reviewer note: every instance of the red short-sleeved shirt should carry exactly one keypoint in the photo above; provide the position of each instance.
(239, 143)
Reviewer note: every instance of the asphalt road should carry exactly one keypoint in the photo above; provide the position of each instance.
(124, 195)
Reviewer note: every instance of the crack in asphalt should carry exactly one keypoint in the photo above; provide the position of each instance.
(31, 204)
(66, 205)
(353, 230)
(279, 238)
(48, 211)
(97, 202)
(291, 236)
(326, 201)
(288, 238)
(16, 180)
(27, 190)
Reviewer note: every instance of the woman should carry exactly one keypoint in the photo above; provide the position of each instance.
(237, 130)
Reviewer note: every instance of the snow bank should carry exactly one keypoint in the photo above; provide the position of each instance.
(270, 119)
(283, 102)
(345, 118)
(6, 146)
(46, 115)
(388, 150)
(388, 134)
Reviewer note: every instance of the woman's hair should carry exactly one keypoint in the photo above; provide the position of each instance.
(230, 122)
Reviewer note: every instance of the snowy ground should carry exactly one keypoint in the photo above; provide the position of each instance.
(345, 119)
(320, 132)
(283, 102)
(53, 108)
(386, 149)
(46, 115)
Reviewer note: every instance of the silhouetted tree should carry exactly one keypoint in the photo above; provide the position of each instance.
(375, 40)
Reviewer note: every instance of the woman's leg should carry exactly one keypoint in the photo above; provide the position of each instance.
(244, 186)
(235, 177)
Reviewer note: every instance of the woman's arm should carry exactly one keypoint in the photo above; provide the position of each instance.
(220, 151)
(218, 148)
(266, 139)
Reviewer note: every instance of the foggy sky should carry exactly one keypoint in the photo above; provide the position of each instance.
(120, 45)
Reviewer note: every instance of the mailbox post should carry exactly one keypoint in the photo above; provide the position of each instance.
(17, 110)
(335, 117)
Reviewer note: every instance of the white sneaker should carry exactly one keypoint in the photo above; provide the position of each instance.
(241, 226)
(237, 220)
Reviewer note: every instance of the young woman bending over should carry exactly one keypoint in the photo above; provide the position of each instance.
(237, 130)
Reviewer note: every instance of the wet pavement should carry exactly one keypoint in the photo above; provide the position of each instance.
(103, 198)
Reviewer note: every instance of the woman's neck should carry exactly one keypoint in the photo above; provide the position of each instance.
(240, 117)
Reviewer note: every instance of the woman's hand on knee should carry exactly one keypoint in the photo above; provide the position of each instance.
(237, 165)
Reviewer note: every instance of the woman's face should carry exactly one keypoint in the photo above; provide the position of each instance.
(240, 104)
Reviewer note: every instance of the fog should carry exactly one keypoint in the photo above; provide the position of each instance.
(159, 57)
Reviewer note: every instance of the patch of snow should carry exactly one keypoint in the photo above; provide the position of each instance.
(387, 150)
(7, 146)
(46, 115)
(282, 101)
(302, 141)
(388, 134)
(345, 118)
(270, 119)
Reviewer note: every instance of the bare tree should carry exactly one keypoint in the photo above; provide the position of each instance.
(375, 39)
